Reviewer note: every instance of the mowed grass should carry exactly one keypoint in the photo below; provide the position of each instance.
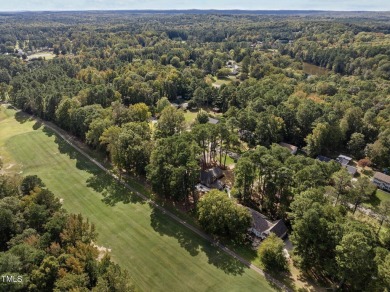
(159, 253)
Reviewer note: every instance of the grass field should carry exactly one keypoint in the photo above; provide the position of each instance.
(160, 254)
(45, 55)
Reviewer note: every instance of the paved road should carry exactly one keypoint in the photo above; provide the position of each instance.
(68, 139)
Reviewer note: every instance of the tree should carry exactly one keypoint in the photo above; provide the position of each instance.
(341, 181)
(355, 259)
(244, 177)
(170, 122)
(202, 117)
(29, 183)
(384, 213)
(221, 216)
(316, 231)
(162, 103)
(362, 189)
(364, 162)
(173, 169)
(139, 112)
(271, 254)
(356, 145)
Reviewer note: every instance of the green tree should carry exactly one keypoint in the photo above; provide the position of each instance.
(362, 189)
(341, 181)
(170, 122)
(271, 254)
(29, 183)
(221, 216)
(356, 145)
(355, 259)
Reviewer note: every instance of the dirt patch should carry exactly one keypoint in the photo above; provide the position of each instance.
(102, 251)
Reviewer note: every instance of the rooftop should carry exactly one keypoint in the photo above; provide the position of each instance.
(323, 158)
(293, 149)
(382, 177)
(213, 121)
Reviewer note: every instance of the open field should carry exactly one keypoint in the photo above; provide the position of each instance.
(44, 55)
(159, 253)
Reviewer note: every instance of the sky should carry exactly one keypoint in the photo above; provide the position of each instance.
(338, 5)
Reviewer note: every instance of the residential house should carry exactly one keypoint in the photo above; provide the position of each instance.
(210, 178)
(262, 226)
(343, 160)
(382, 181)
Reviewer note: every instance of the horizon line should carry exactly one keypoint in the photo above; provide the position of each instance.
(190, 9)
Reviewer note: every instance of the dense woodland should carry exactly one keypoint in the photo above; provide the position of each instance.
(47, 249)
(113, 72)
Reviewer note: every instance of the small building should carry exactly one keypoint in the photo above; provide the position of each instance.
(262, 226)
(216, 109)
(351, 169)
(343, 160)
(293, 149)
(210, 178)
(213, 121)
(184, 106)
(382, 181)
(323, 158)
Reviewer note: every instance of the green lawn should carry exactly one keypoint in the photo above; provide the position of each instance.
(190, 116)
(159, 253)
(380, 196)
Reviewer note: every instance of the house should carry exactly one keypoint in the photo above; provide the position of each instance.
(382, 181)
(343, 160)
(323, 158)
(262, 226)
(351, 170)
(293, 149)
(213, 121)
(184, 106)
(210, 178)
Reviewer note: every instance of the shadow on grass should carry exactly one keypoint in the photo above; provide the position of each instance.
(37, 125)
(112, 190)
(21, 117)
(194, 244)
(374, 201)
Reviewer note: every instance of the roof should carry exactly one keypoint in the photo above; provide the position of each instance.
(293, 149)
(208, 177)
(351, 170)
(262, 224)
(323, 158)
(213, 121)
(279, 228)
(259, 221)
(383, 177)
(343, 160)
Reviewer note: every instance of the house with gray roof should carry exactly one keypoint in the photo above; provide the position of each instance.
(382, 181)
(262, 226)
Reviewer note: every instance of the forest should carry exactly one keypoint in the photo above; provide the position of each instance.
(142, 89)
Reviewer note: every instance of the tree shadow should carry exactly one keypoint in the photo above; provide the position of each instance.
(194, 244)
(37, 125)
(22, 117)
(112, 190)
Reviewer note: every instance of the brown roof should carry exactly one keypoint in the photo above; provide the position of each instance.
(290, 147)
(383, 177)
